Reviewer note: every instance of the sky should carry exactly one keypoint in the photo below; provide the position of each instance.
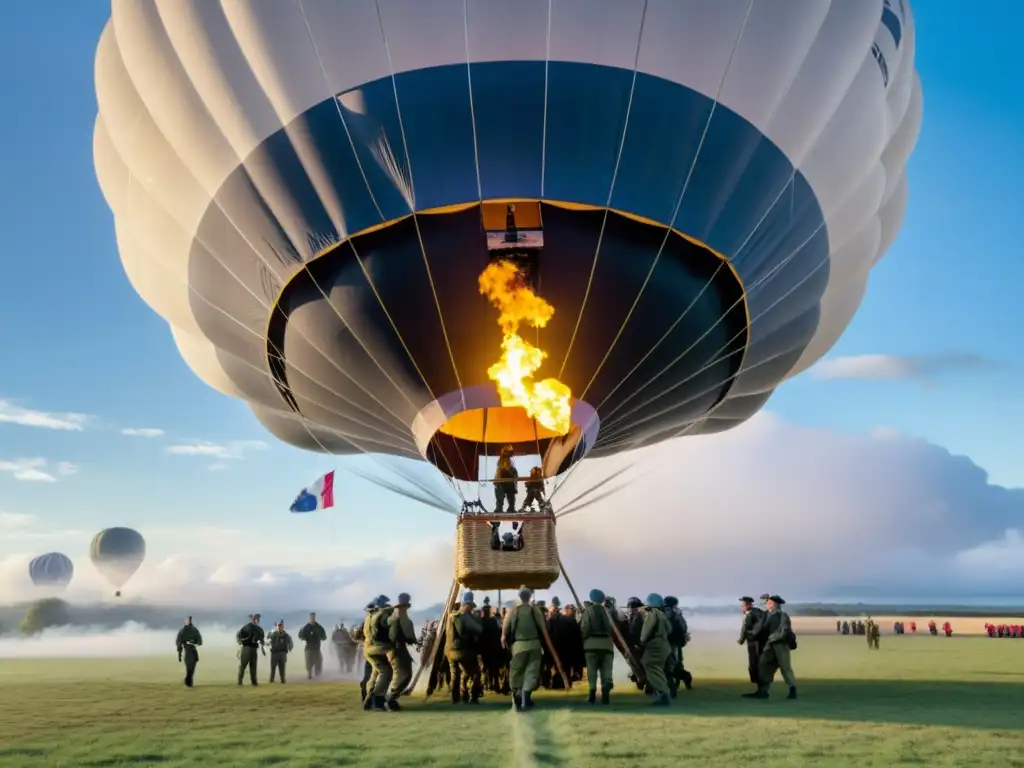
(891, 468)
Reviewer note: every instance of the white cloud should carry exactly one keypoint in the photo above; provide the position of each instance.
(235, 449)
(28, 470)
(14, 414)
(896, 367)
(38, 470)
(142, 432)
(808, 513)
(14, 521)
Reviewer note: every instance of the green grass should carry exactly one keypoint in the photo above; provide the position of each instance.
(918, 701)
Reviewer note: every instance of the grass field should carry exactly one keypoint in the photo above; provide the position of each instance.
(917, 701)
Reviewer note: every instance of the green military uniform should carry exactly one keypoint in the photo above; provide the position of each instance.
(187, 641)
(359, 636)
(655, 648)
(462, 634)
(776, 653)
(280, 646)
(402, 634)
(250, 638)
(376, 647)
(313, 634)
(598, 646)
(522, 628)
(751, 634)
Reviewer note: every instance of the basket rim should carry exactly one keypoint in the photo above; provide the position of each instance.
(506, 518)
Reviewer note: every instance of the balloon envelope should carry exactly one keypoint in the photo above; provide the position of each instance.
(117, 554)
(708, 185)
(51, 570)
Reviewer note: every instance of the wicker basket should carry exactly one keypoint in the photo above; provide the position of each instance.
(477, 566)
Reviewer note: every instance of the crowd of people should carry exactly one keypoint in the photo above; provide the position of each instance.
(512, 650)
(871, 628)
(1004, 630)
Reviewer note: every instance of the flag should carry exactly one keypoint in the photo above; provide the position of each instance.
(319, 495)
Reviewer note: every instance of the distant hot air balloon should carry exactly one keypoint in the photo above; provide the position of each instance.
(117, 554)
(51, 570)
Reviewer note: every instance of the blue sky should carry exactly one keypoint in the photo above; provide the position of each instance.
(78, 339)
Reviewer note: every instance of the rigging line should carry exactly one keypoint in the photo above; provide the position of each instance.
(337, 107)
(420, 483)
(192, 291)
(391, 432)
(775, 270)
(707, 285)
(212, 252)
(717, 359)
(380, 483)
(413, 206)
(472, 108)
(480, 481)
(290, 414)
(678, 207)
(729, 343)
(351, 243)
(600, 497)
(544, 129)
(608, 479)
(611, 191)
(768, 276)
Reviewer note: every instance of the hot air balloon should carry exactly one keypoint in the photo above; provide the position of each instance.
(117, 554)
(434, 228)
(51, 570)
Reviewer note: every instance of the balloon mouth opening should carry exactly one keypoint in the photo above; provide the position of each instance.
(497, 426)
(461, 430)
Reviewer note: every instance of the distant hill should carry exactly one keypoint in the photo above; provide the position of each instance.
(112, 616)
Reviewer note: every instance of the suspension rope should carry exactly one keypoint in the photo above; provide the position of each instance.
(611, 191)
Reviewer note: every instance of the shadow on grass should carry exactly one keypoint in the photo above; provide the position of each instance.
(978, 705)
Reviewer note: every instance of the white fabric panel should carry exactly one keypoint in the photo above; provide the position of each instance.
(188, 88)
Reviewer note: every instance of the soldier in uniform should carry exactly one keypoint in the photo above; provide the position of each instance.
(775, 654)
(678, 637)
(402, 634)
(522, 633)
(750, 633)
(358, 635)
(598, 646)
(654, 648)
(462, 637)
(505, 477)
(344, 648)
(376, 647)
(281, 645)
(491, 656)
(249, 638)
(187, 641)
(313, 634)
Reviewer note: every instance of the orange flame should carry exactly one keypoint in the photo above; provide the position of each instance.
(548, 401)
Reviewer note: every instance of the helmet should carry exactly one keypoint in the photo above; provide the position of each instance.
(654, 600)
(596, 596)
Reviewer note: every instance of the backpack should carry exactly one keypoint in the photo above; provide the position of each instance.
(381, 630)
(677, 631)
(791, 639)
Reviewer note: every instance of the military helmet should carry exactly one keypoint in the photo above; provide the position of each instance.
(654, 600)
(671, 602)
(467, 599)
(383, 601)
(404, 600)
(371, 606)
(555, 601)
(525, 593)
(634, 602)
(596, 596)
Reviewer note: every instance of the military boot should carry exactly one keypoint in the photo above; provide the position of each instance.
(606, 695)
(592, 698)
(368, 702)
(362, 691)
(792, 692)
(760, 693)
(517, 700)
(661, 700)
(378, 704)
(528, 695)
(392, 705)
